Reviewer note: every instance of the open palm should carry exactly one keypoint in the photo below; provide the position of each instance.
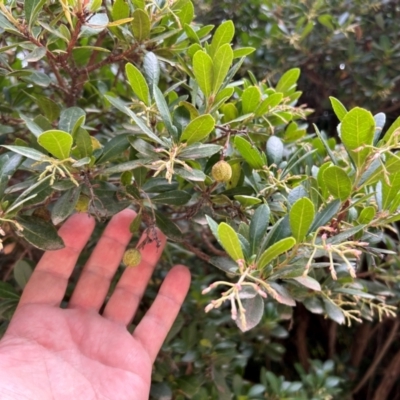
(76, 353)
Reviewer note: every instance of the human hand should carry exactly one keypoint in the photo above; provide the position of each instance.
(76, 353)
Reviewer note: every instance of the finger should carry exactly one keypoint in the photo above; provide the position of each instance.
(155, 325)
(95, 279)
(49, 280)
(123, 303)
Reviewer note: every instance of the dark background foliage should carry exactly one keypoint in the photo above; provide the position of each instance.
(347, 49)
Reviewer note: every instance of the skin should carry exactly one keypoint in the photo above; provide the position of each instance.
(75, 352)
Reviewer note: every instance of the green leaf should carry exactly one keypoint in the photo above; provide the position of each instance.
(139, 122)
(258, 227)
(69, 117)
(48, 107)
(333, 311)
(251, 98)
(186, 13)
(57, 143)
(274, 150)
(7, 291)
(203, 70)
(26, 152)
(222, 62)
(32, 9)
(274, 251)
(198, 129)
(65, 205)
(389, 192)
(247, 201)
(288, 80)
(230, 241)
(114, 148)
(254, 311)
(173, 197)
(337, 182)
(120, 10)
(169, 228)
(243, 52)
(9, 163)
(83, 143)
(199, 150)
(223, 34)
(140, 25)
(267, 104)
(308, 282)
(282, 295)
(325, 215)
(367, 214)
(40, 233)
(249, 153)
(164, 111)
(301, 217)
(22, 271)
(395, 127)
(138, 83)
(151, 68)
(357, 130)
(338, 107)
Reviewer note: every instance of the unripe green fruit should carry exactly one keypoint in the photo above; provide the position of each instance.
(82, 205)
(221, 171)
(132, 257)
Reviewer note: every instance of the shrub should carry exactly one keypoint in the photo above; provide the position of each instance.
(110, 105)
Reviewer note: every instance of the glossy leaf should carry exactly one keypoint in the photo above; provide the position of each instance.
(221, 65)
(151, 68)
(120, 10)
(324, 216)
(199, 150)
(389, 192)
(301, 217)
(198, 129)
(203, 69)
(140, 25)
(65, 205)
(333, 311)
(274, 150)
(27, 152)
(249, 153)
(230, 241)
(251, 98)
(254, 311)
(57, 143)
(339, 109)
(274, 251)
(69, 117)
(394, 128)
(114, 148)
(223, 35)
(308, 282)
(138, 83)
(173, 197)
(337, 182)
(357, 132)
(258, 227)
(164, 111)
(288, 80)
(8, 165)
(40, 233)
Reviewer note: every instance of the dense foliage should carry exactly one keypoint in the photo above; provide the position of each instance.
(116, 104)
(345, 48)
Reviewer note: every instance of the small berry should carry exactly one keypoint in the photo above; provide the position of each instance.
(82, 205)
(132, 257)
(221, 171)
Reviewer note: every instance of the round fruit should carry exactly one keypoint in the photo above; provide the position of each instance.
(221, 171)
(132, 257)
(82, 205)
